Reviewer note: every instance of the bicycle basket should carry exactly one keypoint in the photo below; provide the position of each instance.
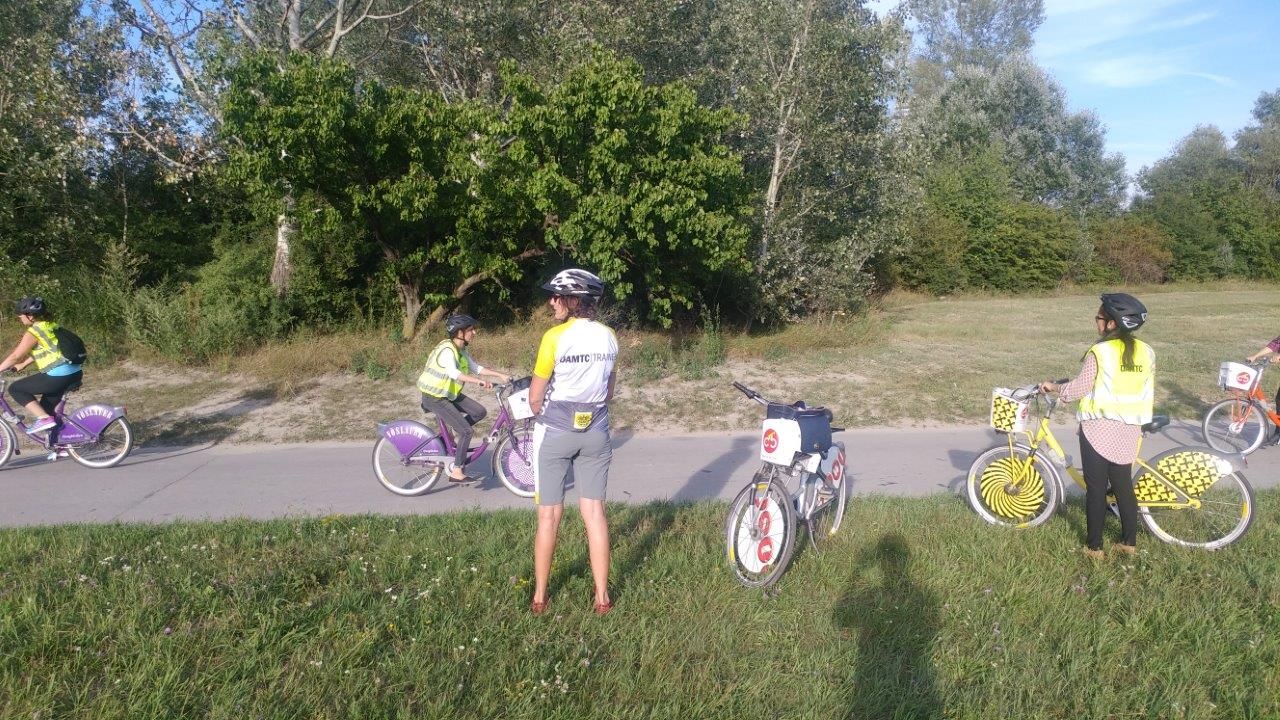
(1007, 414)
(519, 399)
(1234, 376)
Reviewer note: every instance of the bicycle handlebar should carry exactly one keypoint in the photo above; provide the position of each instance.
(750, 393)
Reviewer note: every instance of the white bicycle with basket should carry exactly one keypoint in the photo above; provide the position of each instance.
(795, 442)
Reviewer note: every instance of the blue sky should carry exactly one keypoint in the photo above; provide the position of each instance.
(1152, 70)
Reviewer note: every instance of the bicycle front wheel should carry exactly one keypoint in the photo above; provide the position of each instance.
(513, 461)
(401, 475)
(8, 441)
(1234, 426)
(1014, 487)
(1225, 498)
(760, 530)
(826, 502)
(113, 444)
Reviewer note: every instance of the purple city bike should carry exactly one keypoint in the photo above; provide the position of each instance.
(96, 436)
(410, 458)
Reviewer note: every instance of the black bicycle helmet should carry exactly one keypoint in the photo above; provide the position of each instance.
(458, 322)
(575, 282)
(1125, 309)
(30, 306)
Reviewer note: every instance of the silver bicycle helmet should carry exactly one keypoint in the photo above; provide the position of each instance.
(575, 282)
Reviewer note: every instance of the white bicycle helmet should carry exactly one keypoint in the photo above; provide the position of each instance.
(575, 282)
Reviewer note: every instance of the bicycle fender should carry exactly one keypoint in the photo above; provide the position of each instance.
(833, 464)
(408, 436)
(91, 419)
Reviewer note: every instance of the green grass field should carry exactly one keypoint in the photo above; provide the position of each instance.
(919, 611)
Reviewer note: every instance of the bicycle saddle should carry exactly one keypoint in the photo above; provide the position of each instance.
(1157, 422)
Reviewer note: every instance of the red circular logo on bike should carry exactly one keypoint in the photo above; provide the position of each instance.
(1242, 379)
(770, 441)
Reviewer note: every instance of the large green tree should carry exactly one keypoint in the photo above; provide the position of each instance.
(56, 71)
(628, 178)
(631, 179)
(1212, 199)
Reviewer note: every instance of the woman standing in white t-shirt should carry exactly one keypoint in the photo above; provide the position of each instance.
(573, 380)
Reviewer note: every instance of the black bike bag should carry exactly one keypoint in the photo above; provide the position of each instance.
(815, 424)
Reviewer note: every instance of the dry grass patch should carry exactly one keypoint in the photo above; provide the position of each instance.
(910, 361)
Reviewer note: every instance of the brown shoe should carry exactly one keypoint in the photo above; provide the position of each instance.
(1094, 554)
(1122, 548)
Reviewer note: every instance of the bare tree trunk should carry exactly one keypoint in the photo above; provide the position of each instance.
(458, 293)
(286, 230)
(411, 300)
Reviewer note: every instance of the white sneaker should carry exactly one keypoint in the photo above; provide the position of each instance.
(45, 423)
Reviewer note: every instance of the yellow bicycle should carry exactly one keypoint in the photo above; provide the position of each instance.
(1190, 496)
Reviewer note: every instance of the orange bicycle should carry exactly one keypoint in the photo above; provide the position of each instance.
(1240, 423)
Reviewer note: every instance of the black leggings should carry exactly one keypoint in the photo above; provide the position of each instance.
(458, 415)
(1099, 473)
(50, 388)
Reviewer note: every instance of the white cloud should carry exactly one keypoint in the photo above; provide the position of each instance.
(1078, 25)
(1144, 69)
(882, 7)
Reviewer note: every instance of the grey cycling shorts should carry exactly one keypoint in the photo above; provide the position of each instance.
(555, 451)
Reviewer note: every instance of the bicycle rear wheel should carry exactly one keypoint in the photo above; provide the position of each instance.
(1234, 426)
(1226, 499)
(513, 461)
(401, 475)
(760, 530)
(1013, 487)
(113, 444)
(826, 503)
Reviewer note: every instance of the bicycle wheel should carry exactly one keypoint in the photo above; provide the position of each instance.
(401, 475)
(113, 444)
(1005, 489)
(513, 461)
(1234, 426)
(760, 530)
(1226, 500)
(8, 441)
(827, 505)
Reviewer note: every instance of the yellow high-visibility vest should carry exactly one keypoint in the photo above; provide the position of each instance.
(434, 381)
(46, 353)
(1120, 392)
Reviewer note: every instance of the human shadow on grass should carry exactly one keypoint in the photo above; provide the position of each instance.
(895, 622)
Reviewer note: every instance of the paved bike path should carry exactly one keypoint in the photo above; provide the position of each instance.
(269, 481)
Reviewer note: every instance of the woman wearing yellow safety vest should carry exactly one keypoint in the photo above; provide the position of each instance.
(1116, 390)
(39, 344)
(448, 367)
(573, 381)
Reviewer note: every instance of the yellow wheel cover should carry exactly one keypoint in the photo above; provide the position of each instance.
(1190, 471)
(1012, 488)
